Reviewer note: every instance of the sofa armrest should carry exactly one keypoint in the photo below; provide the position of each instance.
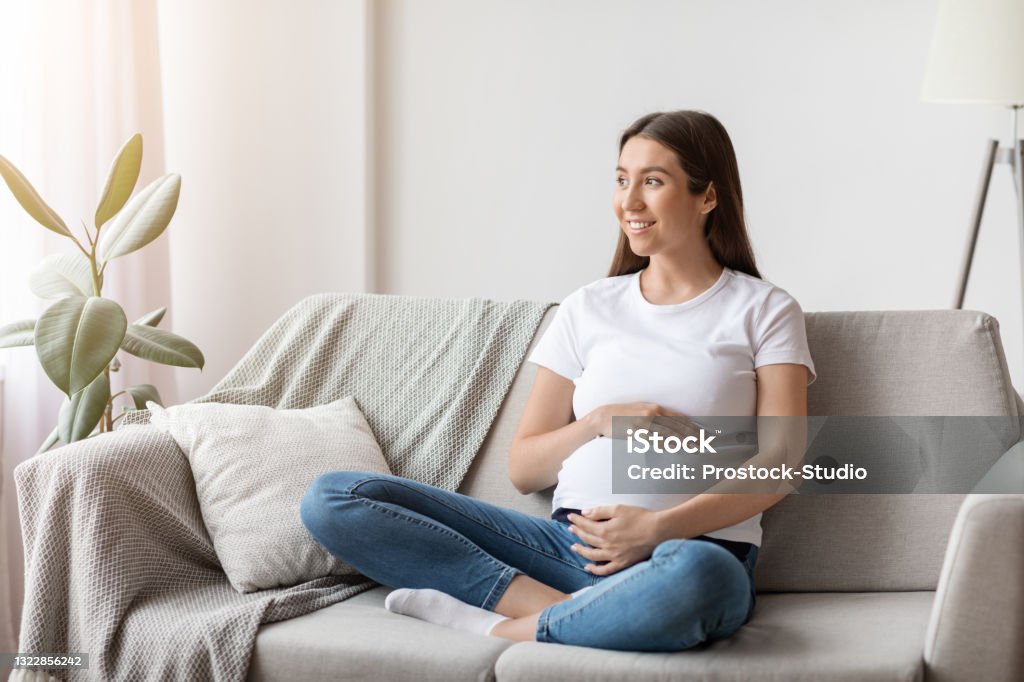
(126, 457)
(977, 623)
(1006, 475)
(102, 519)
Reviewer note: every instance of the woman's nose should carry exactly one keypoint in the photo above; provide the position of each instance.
(632, 200)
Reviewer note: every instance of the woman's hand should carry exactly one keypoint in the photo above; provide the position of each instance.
(620, 534)
(642, 416)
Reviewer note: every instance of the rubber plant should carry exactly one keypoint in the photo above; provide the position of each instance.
(77, 337)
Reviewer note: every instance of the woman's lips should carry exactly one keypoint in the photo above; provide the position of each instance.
(641, 230)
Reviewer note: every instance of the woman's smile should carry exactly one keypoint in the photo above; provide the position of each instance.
(639, 227)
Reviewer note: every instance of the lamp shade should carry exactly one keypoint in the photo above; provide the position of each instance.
(977, 53)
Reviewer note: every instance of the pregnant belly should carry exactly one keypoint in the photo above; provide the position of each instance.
(585, 480)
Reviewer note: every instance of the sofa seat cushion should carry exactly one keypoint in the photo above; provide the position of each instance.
(816, 636)
(358, 639)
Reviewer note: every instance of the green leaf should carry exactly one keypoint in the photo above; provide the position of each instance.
(142, 220)
(79, 416)
(30, 200)
(143, 392)
(62, 274)
(124, 173)
(20, 333)
(152, 319)
(157, 345)
(50, 441)
(76, 338)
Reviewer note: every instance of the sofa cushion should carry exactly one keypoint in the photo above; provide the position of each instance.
(358, 639)
(905, 363)
(854, 543)
(908, 363)
(827, 636)
(252, 464)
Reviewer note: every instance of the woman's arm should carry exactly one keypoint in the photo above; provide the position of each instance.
(781, 392)
(547, 434)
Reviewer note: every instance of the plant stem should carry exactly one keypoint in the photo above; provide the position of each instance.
(96, 286)
(107, 423)
(87, 235)
(78, 244)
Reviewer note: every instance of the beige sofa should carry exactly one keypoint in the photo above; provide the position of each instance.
(856, 587)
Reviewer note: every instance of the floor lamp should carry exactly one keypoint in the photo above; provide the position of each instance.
(977, 55)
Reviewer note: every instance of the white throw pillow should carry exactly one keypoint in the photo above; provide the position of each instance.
(252, 465)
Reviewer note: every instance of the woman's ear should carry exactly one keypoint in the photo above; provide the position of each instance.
(710, 198)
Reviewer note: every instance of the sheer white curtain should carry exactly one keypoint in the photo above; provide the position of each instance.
(78, 79)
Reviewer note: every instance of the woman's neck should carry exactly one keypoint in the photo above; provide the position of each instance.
(664, 282)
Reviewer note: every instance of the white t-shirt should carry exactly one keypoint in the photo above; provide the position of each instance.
(697, 357)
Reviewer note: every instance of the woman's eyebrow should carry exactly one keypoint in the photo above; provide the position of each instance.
(659, 169)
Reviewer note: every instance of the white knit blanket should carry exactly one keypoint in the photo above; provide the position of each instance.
(118, 562)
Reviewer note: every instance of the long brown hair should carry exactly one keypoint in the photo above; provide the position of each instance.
(705, 153)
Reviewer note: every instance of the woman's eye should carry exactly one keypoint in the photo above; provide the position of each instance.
(620, 181)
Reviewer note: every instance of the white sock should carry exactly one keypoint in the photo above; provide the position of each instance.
(438, 607)
(581, 591)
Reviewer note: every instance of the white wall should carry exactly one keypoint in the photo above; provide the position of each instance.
(265, 111)
(499, 134)
(492, 143)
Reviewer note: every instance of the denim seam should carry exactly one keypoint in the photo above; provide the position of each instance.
(541, 633)
(746, 617)
(505, 568)
(499, 587)
(651, 564)
(351, 490)
(729, 628)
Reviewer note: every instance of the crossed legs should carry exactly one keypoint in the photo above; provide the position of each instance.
(521, 567)
(523, 602)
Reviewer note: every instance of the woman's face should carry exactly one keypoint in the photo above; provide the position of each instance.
(655, 209)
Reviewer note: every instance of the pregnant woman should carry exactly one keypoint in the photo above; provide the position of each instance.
(683, 325)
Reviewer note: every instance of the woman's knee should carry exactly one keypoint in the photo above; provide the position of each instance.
(705, 562)
(327, 495)
(717, 586)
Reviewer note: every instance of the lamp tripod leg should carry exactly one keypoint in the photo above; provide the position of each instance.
(1018, 186)
(979, 210)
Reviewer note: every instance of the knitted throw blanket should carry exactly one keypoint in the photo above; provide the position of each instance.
(118, 562)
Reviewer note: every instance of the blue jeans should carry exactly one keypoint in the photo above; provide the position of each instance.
(403, 533)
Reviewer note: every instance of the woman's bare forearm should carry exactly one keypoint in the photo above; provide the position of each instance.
(534, 461)
(709, 512)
